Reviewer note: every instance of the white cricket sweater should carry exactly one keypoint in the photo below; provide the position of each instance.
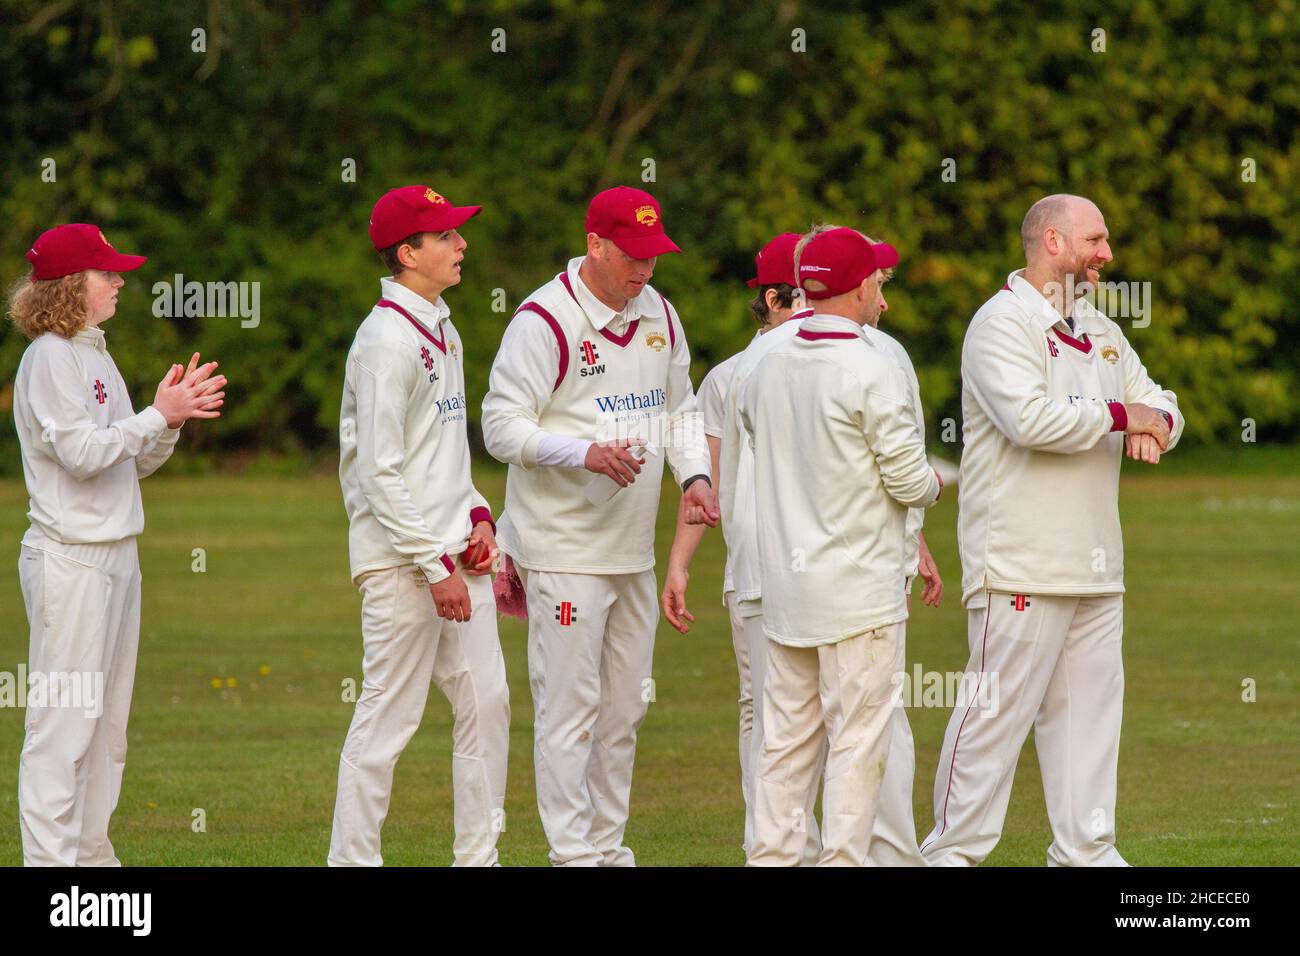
(838, 460)
(736, 473)
(404, 460)
(1042, 423)
(577, 369)
(915, 516)
(712, 399)
(84, 448)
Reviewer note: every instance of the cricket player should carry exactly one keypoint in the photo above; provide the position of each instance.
(838, 460)
(421, 541)
(893, 837)
(84, 450)
(594, 361)
(775, 305)
(1050, 386)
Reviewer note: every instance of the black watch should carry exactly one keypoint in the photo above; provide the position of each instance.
(694, 478)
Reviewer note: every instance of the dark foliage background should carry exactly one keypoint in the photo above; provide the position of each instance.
(227, 165)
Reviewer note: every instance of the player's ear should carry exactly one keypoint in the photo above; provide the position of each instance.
(595, 248)
(406, 256)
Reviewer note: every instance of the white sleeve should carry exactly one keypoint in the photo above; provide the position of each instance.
(889, 425)
(712, 400)
(687, 450)
(64, 429)
(561, 451)
(1139, 388)
(383, 383)
(519, 388)
(156, 453)
(1003, 370)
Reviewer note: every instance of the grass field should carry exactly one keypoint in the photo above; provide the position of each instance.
(238, 706)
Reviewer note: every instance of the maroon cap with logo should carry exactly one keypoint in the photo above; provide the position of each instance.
(76, 247)
(404, 212)
(836, 261)
(631, 219)
(775, 261)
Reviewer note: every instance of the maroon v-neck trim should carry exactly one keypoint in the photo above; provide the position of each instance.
(440, 341)
(1084, 346)
(620, 340)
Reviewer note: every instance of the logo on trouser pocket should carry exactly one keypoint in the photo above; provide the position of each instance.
(566, 613)
(1020, 601)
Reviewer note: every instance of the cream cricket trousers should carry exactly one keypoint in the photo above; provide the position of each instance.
(408, 646)
(893, 837)
(590, 650)
(841, 695)
(1053, 664)
(83, 607)
(750, 644)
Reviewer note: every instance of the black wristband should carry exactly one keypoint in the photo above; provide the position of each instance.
(694, 478)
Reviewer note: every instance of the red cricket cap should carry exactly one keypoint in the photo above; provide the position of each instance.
(632, 220)
(836, 262)
(76, 247)
(775, 261)
(404, 212)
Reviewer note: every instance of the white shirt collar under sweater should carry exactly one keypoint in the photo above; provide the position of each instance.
(430, 314)
(1086, 317)
(598, 313)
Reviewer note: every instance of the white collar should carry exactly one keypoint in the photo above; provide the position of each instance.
(823, 322)
(598, 313)
(430, 314)
(91, 335)
(1085, 315)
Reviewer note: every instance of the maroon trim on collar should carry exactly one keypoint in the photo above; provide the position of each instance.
(440, 341)
(1084, 346)
(802, 314)
(1006, 287)
(559, 338)
(620, 340)
(814, 336)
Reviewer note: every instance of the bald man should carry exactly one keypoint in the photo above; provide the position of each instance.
(1050, 389)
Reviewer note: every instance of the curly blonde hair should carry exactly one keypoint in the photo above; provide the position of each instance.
(49, 305)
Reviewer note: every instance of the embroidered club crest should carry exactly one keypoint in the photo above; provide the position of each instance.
(647, 216)
(656, 341)
(433, 197)
(1110, 354)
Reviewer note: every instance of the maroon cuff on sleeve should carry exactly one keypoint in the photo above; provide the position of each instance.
(940, 477)
(481, 514)
(447, 563)
(1119, 416)
(1169, 418)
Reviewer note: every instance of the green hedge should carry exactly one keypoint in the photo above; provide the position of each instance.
(226, 166)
